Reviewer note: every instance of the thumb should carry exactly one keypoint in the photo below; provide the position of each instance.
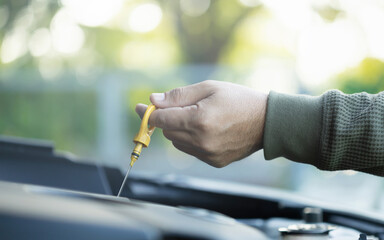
(183, 96)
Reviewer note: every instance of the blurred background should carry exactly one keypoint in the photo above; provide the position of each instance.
(72, 71)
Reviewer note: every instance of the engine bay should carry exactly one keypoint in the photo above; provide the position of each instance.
(46, 195)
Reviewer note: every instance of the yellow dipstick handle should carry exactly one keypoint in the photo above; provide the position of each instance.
(143, 137)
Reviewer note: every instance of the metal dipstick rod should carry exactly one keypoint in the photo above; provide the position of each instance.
(142, 139)
(125, 179)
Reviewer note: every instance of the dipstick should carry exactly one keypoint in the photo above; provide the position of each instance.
(142, 139)
(125, 179)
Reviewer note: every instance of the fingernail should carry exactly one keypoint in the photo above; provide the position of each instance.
(158, 97)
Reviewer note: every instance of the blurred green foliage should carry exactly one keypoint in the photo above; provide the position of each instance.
(70, 118)
(368, 76)
(182, 38)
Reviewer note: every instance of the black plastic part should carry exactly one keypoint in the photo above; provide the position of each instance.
(25, 161)
(312, 215)
(306, 233)
(380, 235)
(363, 236)
(23, 227)
(115, 178)
(135, 154)
(357, 222)
(25, 146)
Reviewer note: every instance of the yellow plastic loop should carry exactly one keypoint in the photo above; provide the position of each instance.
(145, 132)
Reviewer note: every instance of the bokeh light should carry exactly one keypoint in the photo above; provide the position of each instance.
(145, 17)
(93, 12)
(371, 19)
(250, 3)
(14, 45)
(40, 42)
(67, 36)
(265, 78)
(140, 54)
(25, 18)
(328, 49)
(296, 14)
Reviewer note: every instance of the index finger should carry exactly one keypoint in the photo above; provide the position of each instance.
(173, 118)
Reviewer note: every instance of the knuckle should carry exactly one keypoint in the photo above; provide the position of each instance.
(209, 82)
(176, 94)
(207, 147)
(204, 120)
(204, 124)
(183, 123)
(219, 164)
(214, 161)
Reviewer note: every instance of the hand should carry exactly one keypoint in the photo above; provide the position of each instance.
(217, 122)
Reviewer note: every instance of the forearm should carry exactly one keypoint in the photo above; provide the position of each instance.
(332, 132)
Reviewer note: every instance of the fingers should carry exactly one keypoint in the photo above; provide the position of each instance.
(189, 150)
(183, 96)
(174, 118)
(205, 157)
(181, 137)
(140, 109)
(176, 107)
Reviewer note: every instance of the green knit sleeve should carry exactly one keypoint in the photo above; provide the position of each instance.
(353, 132)
(335, 131)
(293, 127)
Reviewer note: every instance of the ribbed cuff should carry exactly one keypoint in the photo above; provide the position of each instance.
(293, 127)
